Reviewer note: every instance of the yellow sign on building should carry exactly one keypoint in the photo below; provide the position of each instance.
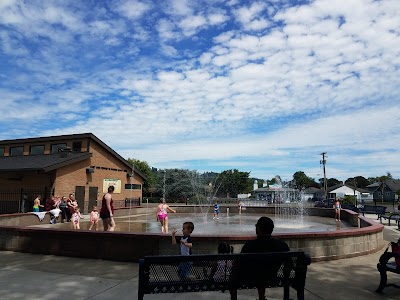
(107, 182)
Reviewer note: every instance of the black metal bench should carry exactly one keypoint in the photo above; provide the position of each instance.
(350, 207)
(385, 266)
(223, 272)
(373, 209)
(392, 217)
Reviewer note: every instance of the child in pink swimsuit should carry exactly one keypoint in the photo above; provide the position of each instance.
(162, 215)
(94, 218)
(76, 216)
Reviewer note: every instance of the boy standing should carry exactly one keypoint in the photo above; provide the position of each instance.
(216, 210)
(185, 245)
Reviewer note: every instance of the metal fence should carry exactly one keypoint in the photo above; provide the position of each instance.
(132, 202)
(15, 200)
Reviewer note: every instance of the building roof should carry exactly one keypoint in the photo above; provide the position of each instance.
(339, 185)
(375, 184)
(313, 190)
(267, 189)
(44, 163)
(393, 184)
(69, 137)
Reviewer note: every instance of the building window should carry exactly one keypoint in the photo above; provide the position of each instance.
(37, 150)
(17, 151)
(1, 151)
(133, 186)
(387, 194)
(77, 146)
(56, 147)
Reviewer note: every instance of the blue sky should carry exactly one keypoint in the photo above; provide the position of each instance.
(261, 86)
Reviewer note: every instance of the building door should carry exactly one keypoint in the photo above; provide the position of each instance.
(80, 197)
(93, 190)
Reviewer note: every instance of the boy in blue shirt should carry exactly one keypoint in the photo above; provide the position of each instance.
(216, 210)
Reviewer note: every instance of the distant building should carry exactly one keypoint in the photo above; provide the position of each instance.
(60, 165)
(276, 194)
(385, 191)
(243, 196)
(341, 190)
(313, 194)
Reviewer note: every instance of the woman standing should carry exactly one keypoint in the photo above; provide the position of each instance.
(107, 210)
(162, 215)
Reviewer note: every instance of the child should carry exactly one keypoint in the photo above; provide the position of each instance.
(185, 244)
(223, 268)
(162, 215)
(337, 209)
(216, 210)
(94, 218)
(36, 204)
(76, 216)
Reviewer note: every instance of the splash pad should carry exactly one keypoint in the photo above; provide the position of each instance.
(356, 236)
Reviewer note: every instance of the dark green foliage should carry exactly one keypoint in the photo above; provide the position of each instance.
(144, 168)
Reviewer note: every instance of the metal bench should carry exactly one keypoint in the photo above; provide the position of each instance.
(373, 209)
(392, 216)
(350, 207)
(223, 272)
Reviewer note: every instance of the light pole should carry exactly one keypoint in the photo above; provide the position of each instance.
(323, 162)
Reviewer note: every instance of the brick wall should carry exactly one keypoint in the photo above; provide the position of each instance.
(64, 180)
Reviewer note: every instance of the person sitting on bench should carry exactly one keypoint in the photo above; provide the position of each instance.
(264, 243)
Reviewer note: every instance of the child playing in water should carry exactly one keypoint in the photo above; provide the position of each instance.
(162, 215)
(76, 216)
(337, 209)
(94, 218)
(216, 210)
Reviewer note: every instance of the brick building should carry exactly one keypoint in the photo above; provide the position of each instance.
(60, 165)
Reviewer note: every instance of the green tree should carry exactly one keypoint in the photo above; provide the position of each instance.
(233, 182)
(358, 181)
(301, 180)
(179, 184)
(332, 182)
(144, 168)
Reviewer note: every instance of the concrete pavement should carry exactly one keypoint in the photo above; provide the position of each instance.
(46, 277)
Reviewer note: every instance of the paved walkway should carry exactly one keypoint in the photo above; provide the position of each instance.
(45, 277)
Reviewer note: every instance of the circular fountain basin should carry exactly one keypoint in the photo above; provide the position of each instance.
(235, 225)
(319, 235)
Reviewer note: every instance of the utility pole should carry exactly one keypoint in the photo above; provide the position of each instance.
(323, 163)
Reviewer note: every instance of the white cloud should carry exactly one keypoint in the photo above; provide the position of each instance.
(132, 9)
(252, 17)
(217, 18)
(192, 24)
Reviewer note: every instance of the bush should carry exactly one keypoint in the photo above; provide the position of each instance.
(348, 199)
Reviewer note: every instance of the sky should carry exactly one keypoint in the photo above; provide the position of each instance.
(259, 86)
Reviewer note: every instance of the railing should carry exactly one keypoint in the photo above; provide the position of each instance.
(127, 202)
(14, 200)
